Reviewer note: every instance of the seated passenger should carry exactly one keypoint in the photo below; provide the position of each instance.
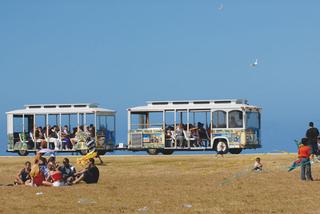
(180, 135)
(203, 135)
(88, 134)
(92, 131)
(80, 136)
(65, 138)
(38, 137)
(195, 135)
(29, 140)
(47, 131)
(234, 123)
(24, 175)
(168, 134)
(54, 138)
(67, 171)
(89, 175)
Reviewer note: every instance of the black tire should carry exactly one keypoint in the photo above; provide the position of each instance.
(23, 152)
(226, 150)
(235, 151)
(83, 151)
(101, 152)
(153, 151)
(167, 152)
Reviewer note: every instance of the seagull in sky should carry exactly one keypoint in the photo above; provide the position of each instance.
(221, 7)
(255, 63)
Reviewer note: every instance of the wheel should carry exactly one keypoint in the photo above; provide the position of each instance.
(223, 144)
(153, 151)
(23, 152)
(83, 151)
(235, 151)
(167, 152)
(101, 152)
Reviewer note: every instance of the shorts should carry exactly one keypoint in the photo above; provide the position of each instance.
(220, 152)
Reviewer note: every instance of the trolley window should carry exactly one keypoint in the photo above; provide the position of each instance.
(235, 119)
(219, 119)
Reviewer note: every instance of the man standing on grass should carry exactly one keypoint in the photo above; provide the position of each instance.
(312, 136)
(304, 153)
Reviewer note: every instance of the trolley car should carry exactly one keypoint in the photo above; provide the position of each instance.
(168, 126)
(61, 127)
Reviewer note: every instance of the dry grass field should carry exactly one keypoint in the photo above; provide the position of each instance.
(171, 184)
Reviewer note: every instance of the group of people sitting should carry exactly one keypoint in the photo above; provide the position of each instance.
(197, 135)
(49, 173)
(59, 138)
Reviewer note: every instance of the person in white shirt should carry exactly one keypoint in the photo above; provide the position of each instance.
(221, 148)
(257, 165)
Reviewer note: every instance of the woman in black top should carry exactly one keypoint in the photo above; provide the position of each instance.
(24, 174)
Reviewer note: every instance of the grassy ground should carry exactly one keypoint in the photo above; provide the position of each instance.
(171, 184)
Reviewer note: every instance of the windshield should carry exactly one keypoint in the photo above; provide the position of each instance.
(253, 120)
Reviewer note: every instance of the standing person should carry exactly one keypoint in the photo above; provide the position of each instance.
(312, 136)
(304, 153)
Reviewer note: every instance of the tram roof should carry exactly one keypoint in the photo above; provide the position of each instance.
(193, 104)
(61, 108)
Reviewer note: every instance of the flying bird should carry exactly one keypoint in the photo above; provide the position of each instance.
(255, 63)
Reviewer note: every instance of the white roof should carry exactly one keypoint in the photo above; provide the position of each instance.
(194, 105)
(62, 108)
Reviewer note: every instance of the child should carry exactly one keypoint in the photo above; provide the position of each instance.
(296, 163)
(24, 174)
(257, 165)
(304, 153)
(220, 149)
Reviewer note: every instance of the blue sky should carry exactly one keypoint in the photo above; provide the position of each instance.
(122, 53)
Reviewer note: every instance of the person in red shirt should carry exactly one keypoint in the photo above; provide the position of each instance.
(304, 153)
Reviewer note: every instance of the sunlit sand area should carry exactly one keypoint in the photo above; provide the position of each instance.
(170, 184)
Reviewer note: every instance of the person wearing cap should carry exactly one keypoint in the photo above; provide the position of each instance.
(312, 137)
(304, 153)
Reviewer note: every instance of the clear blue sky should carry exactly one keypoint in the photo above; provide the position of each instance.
(122, 53)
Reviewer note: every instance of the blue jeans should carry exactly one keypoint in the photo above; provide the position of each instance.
(306, 169)
(314, 148)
